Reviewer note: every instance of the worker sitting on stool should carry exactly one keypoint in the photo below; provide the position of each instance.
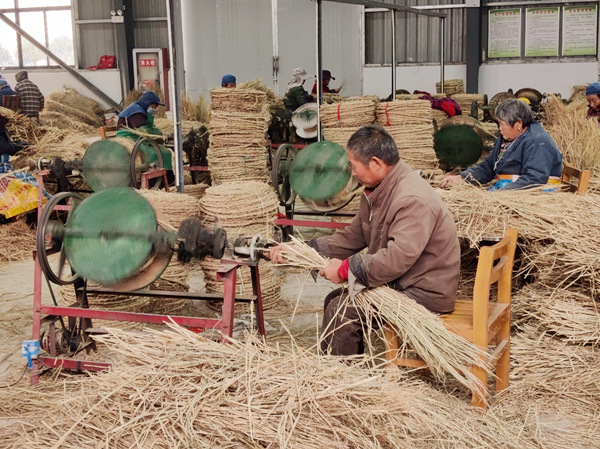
(410, 236)
(139, 115)
(524, 154)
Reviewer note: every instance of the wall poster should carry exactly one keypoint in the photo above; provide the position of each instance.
(504, 35)
(580, 30)
(541, 31)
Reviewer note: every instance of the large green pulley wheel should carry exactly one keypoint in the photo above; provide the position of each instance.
(55, 216)
(280, 174)
(110, 239)
(320, 171)
(458, 145)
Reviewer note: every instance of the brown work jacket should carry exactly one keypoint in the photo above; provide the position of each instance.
(411, 241)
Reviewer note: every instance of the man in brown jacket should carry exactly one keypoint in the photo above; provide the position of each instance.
(411, 240)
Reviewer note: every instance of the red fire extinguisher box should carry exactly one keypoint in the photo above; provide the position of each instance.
(152, 71)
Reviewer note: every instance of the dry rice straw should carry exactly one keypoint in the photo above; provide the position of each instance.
(17, 241)
(419, 329)
(176, 389)
(239, 100)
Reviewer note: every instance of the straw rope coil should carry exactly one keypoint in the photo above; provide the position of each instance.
(244, 162)
(404, 112)
(339, 135)
(451, 87)
(173, 206)
(196, 190)
(420, 329)
(238, 100)
(243, 209)
(351, 113)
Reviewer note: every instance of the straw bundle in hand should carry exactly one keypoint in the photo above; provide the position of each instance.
(451, 87)
(243, 209)
(346, 114)
(420, 329)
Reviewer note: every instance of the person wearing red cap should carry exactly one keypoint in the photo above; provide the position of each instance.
(326, 75)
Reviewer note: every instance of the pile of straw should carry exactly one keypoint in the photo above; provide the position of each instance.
(420, 329)
(21, 127)
(243, 209)
(577, 137)
(578, 93)
(270, 284)
(451, 87)
(75, 99)
(410, 123)
(194, 111)
(571, 315)
(350, 113)
(465, 101)
(72, 112)
(177, 389)
(238, 126)
(166, 126)
(17, 242)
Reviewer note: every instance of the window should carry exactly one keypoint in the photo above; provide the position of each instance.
(48, 22)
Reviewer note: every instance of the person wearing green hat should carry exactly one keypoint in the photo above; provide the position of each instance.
(592, 94)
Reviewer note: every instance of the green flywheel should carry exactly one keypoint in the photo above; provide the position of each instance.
(320, 171)
(109, 236)
(106, 164)
(458, 145)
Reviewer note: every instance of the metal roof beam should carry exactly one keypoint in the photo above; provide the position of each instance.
(376, 4)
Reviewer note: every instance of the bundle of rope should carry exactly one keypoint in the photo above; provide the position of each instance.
(242, 99)
(410, 123)
(352, 112)
(339, 135)
(451, 87)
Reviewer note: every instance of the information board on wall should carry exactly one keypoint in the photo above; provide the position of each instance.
(580, 30)
(541, 31)
(504, 35)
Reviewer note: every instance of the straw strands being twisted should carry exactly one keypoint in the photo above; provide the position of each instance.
(353, 112)
(238, 100)
(420, 329)
(243, 209)
(177, 389)
(577, 136)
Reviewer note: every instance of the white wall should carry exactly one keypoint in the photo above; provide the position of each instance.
(378, 80)
(108, 81)
(494, 77)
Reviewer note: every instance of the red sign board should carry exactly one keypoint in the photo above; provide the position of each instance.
(147, 62)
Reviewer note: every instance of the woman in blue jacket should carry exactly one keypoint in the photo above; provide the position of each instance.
(524, 154)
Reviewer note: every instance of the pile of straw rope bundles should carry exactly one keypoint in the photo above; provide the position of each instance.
(171, 209)
(341, 119)
(242, 209)
(238, 125)
(465, 101)
(451, 87)
(410, 123)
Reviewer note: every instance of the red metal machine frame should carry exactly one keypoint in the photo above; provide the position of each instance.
(44, 314)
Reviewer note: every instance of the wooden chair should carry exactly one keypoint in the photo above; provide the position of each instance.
(107, 131)
(12, 102)
(480, 320)
(569, 173)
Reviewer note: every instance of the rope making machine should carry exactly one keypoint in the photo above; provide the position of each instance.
(115, 239)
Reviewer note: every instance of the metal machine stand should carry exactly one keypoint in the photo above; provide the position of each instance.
(79, 316)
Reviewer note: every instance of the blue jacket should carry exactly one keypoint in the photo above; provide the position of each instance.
(142, 105)
(533, 155)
